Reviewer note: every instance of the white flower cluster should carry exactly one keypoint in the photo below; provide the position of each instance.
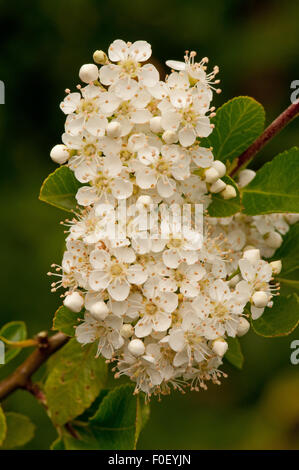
(160, 306)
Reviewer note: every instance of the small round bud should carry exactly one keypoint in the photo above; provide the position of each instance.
(220, 347)
(170, 137)
(88, 73)
(59, 154)
(273, 239)
(74, 302)
(260, 299)
(114, 129)
(243, 327)
(229, 192)
(252, 255)
(276, 266)
(245, 176)
(218, 186)
(219, 167)
(127, 331)
(155, 125)
(100, 57)
(211, 175)
(136, 347)
(99, 310)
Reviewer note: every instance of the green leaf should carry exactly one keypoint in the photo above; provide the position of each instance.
(275, 187)
(280, 320)
(289, 255)
(94, 406)
(20, 430)
(220, 207)
(3, 426)
(60, 188)
(64, 320)
(237, 124)
(74, 381)
(13, 331)
(234, 353)
(58, 444)
(119, 419)
(116, 425)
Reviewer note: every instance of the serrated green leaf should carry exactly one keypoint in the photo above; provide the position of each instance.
(237, 124)
(13, 331)
(65, 320)
(20, 430)
(74, 381)
(3, 426)
(275, 187)
(234, 353)
(289, 255)
(118, 421)
(60, 188)
(220, 207)
(116, 425)
(280, 320)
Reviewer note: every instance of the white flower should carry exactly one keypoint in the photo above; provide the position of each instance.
(186, 278)
(161, 294)
(162, 169)
(128, 57)
(182, 249)
(115, 273)
(188, 344)
(155, 313)
(108, 181)
(105, 332)
(84, 112)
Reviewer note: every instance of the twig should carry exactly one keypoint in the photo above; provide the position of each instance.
(21, 377)
(273, 129)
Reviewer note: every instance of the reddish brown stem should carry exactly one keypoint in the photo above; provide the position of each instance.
(21, 377)
(273, 129)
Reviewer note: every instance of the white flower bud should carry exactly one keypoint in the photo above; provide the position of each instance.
(276, 266)
(136, 347)
(155, 125)
(260, 299)
(127, 331)
(291, 218)
(220, 347)
(100, 57)
(88, 73)
(170, 137)
(211, 175)
(243, 327)
(114, 129)
(229, 192)
(252, 255)
(218, 186)
(74, 302)
(245, 176)
(219, 167)
(99, 310)
(273, 239)
(59, 154)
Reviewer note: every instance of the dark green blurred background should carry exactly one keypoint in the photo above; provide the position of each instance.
(43, 45)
